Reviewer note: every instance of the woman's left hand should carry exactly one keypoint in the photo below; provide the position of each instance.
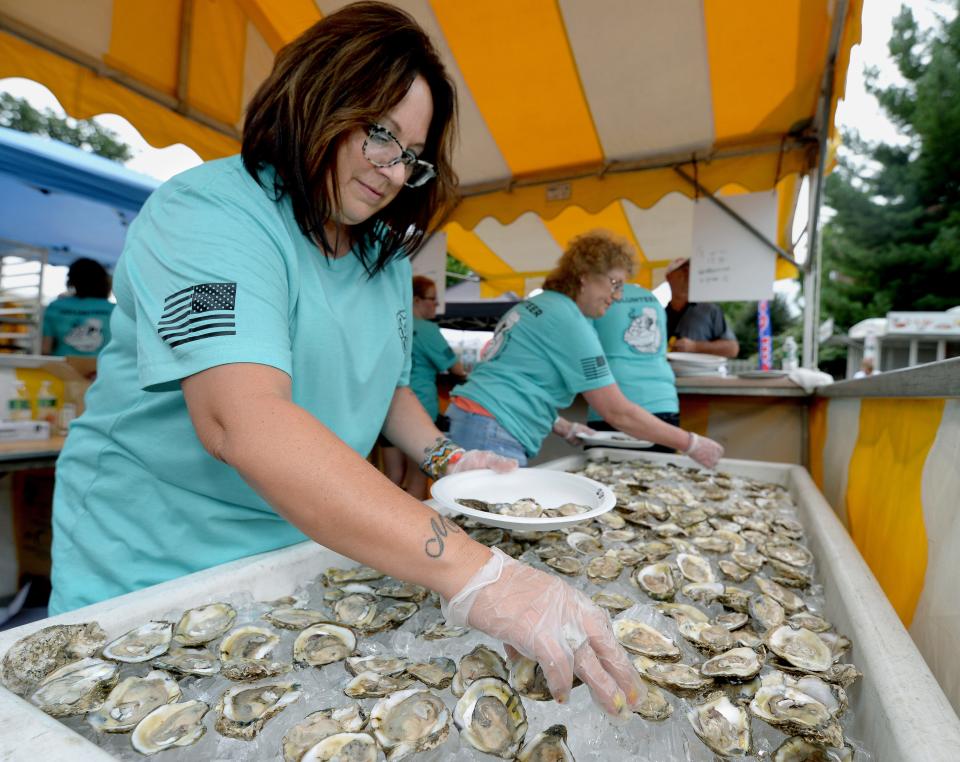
(570, 431)
(474, 459)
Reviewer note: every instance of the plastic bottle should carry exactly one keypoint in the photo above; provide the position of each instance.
(790, 353)
(67, 413)
(47, 405)
(18, 406)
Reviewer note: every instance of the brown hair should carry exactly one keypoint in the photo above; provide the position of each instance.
(422, 284)
(592, 253)
(343, 74)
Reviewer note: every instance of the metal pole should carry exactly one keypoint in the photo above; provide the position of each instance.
(812, 271)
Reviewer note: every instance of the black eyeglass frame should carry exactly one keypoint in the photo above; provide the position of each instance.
(407, 157)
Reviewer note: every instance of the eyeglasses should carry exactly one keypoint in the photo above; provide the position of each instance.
(616, 284)
(382, 149)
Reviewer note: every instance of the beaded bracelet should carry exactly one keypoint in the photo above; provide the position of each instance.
(438, 458)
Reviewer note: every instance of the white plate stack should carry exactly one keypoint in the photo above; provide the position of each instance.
(697, 364)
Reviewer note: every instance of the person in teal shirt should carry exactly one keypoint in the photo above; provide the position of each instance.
(545, 351)
(79, 324)
(431, 355)
(633, 333)
(262, 339)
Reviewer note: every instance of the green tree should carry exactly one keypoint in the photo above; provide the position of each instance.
(18, 114)
(893, 242)
(457, 267)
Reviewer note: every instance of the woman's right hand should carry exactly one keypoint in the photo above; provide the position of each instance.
(548, 621)
(704, 450)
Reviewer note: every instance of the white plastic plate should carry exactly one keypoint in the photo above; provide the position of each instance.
(614, 439)
(695, 358)
(549, 488)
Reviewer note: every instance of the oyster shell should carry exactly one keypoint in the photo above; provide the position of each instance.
(790, 601)
(748, 560)
(141, 644)
(737, 664)
(441, 630)
(189, 661)
(796, 713)
(657, 580)
(344, 747)
(677, 678)
(202, 624)
(733, 571)
(479, 663)
(410, 721)
(695, 568)
(376, 685)
(605, 568)
(491, 717)
(811, 621)
(613, 602)
(800, 647)
(654, 706)
(132, 699)
(438, 672)
(676, 610)
(565, 564)
(382, 665)
(243, 710)
(766, 612)
(319, 725)
(290, 618)
(722, 725)
(356, 610)
(405, 590)
(76, 688)
(244, 652)
(170, 725)
(335, 576)
(704, 635)
(324, 643)
(641, 638)
(35, 656)
(731, 620)
(548, 746)
(799, 749)
(788, 552)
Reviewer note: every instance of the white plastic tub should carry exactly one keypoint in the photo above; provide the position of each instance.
(901, 712)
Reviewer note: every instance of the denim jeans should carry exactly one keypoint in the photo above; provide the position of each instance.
(481, 432)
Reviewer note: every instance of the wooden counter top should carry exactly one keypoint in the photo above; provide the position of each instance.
(30, 449)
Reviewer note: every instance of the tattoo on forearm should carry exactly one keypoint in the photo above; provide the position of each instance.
(441, 527)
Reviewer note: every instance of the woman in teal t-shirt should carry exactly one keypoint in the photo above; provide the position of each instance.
(79, 324)
(545, 351)
(431, 355)
(260, 342)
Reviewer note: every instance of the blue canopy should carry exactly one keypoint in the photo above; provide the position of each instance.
(66, 200)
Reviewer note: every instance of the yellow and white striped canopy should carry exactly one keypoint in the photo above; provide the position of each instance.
(573, 112)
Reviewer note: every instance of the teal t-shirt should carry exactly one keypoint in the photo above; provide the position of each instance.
(78, 326)
(543, 353)
(431, 355)
(214, 271)
(633, 333)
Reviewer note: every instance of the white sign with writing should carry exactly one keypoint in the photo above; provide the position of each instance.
(728, 262)
(937, 323)
(431, 261)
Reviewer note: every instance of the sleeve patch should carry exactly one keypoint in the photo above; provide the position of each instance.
(199, 312)
(594, 367)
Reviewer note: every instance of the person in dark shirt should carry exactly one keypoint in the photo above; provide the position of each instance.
(692, 326)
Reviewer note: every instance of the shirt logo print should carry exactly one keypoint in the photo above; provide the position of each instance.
(594, 367)
(198, 312)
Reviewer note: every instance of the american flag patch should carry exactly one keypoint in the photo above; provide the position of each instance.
(594, 367)
(198, 312)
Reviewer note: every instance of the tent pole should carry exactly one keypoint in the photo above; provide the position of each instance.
(813, 268)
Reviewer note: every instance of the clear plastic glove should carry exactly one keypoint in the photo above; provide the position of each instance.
(474, 459)
(569, 430)
(704, 450)
(543, 618)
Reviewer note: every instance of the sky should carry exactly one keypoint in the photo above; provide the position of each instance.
(859, 110)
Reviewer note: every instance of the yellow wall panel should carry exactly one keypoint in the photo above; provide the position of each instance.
(884, 499)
